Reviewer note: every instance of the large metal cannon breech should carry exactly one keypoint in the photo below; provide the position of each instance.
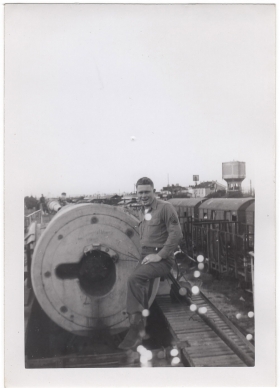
(81, 265)
(53, 205)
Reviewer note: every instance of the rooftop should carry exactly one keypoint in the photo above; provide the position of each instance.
(206, 185)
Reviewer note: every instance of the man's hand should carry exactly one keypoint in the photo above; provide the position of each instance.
(153, 258)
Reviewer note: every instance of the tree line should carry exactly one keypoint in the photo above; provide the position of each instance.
(31, 202)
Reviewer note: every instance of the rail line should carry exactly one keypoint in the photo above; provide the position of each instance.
(211, 340)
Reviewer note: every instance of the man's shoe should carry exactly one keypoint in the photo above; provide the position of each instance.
(133, 337)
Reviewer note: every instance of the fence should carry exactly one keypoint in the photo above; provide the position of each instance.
(219, 241)
(35, 216)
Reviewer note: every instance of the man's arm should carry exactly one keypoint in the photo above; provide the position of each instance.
(174, 236)
(174, 231)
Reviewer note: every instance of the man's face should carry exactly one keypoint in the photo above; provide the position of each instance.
(145, 194)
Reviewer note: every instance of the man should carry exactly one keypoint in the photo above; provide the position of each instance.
(43, 205)
(160, 233)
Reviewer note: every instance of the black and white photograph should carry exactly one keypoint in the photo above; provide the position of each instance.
(140, 194)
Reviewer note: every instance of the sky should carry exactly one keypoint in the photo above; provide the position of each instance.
(97, 96)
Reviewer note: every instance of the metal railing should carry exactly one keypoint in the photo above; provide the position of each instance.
(222, 244)
(35, 216)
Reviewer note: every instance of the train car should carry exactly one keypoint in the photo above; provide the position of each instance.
(250, 224)
(227, 209)
(250, 216)
(187, 207)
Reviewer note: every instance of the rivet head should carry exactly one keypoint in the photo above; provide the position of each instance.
(129, 233)
(94, 220)
(107, 250)
(63, 309)
(47, 274)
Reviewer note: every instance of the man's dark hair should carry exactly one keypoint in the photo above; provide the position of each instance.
(145, 181)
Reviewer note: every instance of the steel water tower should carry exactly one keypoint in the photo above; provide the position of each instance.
(234, 173)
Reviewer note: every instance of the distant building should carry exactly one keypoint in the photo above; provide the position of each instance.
(173, 190)
(205, 188)
(127, 199)
(109, 199)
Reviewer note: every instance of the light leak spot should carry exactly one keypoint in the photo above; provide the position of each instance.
(196, 274)
(145, 313)
(249, 337)
(140, 349)
(148, 216)
(174, 352)
(202, 310)
(161, 354)
(183, 291)
(175, 361)
(238, 316)
(250, 314)
(195, 290)
(148, 355)
(143, 333)
(144, 361)
(193, 307)
(200, 258)
(200, 266)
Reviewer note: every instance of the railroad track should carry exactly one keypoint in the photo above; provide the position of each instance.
(210, 339)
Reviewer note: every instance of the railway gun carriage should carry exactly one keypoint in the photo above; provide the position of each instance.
(80, 268)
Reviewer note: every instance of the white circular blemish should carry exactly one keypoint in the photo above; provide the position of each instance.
(193, 307)
(140, 349)
(174, 352)
(145, 313)
(249, 337)
(148, 355)
(195, 290)
(200, 258)
(148, 216)
(238, 316)
(250, 314)
(200, 266)
(196, 274)
(183, 291)
(161, 354)
(202, 310)
(143, 359)
(175, 361)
